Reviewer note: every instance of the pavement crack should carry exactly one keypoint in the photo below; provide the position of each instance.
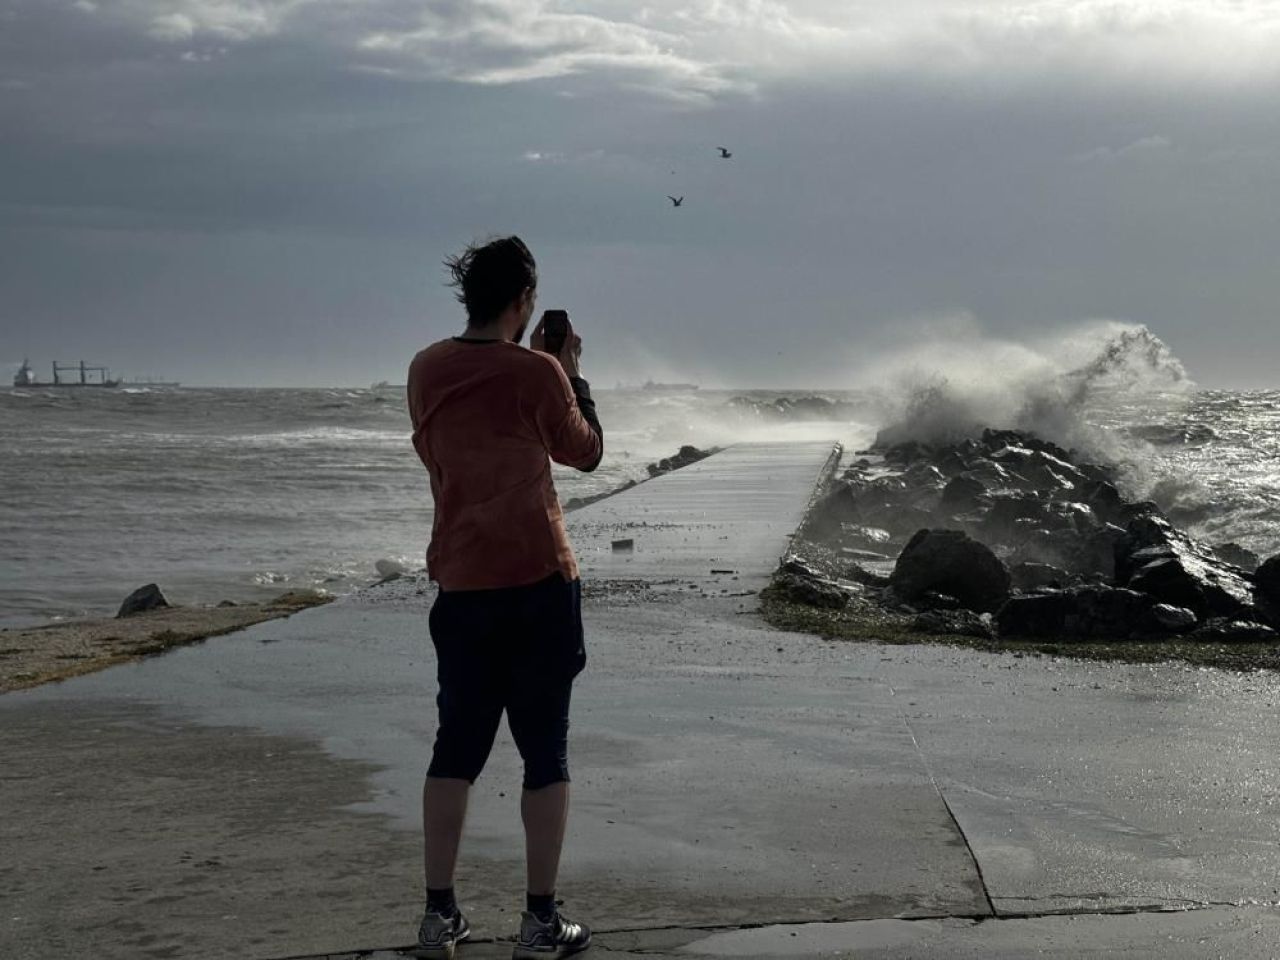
(928, 769)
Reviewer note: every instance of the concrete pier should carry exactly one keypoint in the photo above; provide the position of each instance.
(738, 792)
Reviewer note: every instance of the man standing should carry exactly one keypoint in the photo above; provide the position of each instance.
(488, 417)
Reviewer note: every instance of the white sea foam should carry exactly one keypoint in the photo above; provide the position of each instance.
(960, 382)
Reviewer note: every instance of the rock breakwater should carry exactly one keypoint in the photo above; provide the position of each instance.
(1009, 535)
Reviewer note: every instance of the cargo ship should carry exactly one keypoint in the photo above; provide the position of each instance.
(81, 374)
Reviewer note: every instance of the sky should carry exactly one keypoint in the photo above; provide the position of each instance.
(261, 192)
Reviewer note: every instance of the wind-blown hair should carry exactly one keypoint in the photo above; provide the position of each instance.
(490, 276)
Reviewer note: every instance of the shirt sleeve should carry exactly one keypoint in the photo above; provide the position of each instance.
(567, 421)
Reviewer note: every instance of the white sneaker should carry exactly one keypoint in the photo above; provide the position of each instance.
(558, 938)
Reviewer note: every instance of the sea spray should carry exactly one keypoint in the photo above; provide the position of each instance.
(1048, 389)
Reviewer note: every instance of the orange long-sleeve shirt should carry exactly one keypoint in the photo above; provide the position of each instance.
(489, 416)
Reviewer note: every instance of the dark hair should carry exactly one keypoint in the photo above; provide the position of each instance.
(490, 276)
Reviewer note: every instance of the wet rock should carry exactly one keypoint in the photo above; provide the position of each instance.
(874, 556)
(685, 456)
(838, 507)
(1227, 630)
(1013, 516)
(855, 534)
(1170, 619)
(951, 462)
(902, 454)
(995, 477)
(810, 591)
(227, 603)
(1157, 559)
(924, 475)
(995, 440)
(951, 562)
(1267, 583)
(1078, 613)
(1133, 511)
(577, 503)
(1071, 513)
(147, 597)
(1237, 556)
(800, 568)
(958, 623)
(1028, 576)
(390, 568)
(1103, 498)
(962, 494)
(1042, 471)
(865, 576)
(936, 600)
(1090, 554)
(901, 520)
(1267, 577)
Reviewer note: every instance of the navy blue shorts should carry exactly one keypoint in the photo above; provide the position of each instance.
(516, 649)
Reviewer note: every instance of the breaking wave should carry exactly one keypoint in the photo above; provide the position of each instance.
(1048, 390)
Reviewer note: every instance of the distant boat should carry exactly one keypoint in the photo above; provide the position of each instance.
(669, 387)
(78, 374)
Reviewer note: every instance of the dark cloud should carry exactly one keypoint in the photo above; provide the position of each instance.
(182, 180)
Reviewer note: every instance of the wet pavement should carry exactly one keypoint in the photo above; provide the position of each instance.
(737, 791)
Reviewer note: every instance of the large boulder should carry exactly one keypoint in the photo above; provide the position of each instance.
(1092, 612)
(1267, 589)
(1157, 559)
(1267, 580)
(145, 598)
(953, 563)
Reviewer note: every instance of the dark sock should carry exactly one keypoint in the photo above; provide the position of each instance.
(442, 902)
(542, 907)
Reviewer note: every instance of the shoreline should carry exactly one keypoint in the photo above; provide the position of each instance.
(52, 652)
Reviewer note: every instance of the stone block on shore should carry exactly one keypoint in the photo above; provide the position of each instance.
(953, 563)
(147, 597)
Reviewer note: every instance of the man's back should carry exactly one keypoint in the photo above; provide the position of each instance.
(488, 415)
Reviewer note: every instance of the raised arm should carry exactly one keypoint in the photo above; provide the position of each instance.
(567, 421)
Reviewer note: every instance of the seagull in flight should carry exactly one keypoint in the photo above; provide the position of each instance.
(675, 201)
(724, 154)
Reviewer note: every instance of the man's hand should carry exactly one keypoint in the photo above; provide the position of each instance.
(569, 353)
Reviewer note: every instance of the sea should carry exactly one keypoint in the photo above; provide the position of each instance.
(242, 494)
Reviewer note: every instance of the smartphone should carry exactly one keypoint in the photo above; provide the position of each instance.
(555, 330)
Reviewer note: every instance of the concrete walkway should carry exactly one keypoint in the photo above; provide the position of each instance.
(738, 792)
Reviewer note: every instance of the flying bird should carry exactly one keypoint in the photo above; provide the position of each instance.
(724, 154)
(675, 201)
